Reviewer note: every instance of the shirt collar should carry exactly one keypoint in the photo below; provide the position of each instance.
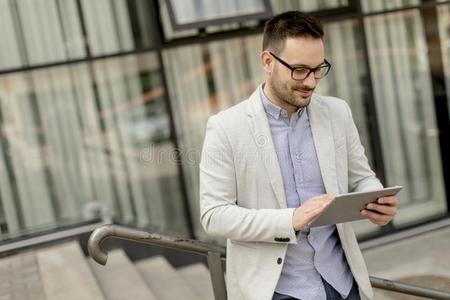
(269, 107)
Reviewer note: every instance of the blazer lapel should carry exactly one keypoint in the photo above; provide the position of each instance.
(262, 136)
(319, 118)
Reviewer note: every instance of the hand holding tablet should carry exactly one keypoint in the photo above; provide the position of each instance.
(348, 207)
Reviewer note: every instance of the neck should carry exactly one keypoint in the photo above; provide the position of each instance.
(279, 102)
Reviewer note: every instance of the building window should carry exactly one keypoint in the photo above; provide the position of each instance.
(405, 111)
(42, 32)
(89, 138)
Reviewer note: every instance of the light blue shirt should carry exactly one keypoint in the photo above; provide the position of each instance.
(318, 252)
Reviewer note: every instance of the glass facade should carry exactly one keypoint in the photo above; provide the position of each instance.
(43, 31)
(405, 106)
(190, 11)
(306, 6)
(107, 115)
(444, 34)
(380, 5)
(88, 136)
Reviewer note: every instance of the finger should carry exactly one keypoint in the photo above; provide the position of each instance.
(376, 218)
(383, 209)
(316, 204)
(316, 207)
(326, 198)
(329, 197)
(325, 201)
(313, 209)
(319, 200)
(379, 222)
(392, 200)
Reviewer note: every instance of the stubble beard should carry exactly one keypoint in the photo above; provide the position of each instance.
(285, 94)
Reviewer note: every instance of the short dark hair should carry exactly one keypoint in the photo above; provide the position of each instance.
(290, 24)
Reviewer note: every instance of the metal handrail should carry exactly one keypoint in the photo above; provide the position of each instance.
(215, 255)
(409, 289)
(125, 233)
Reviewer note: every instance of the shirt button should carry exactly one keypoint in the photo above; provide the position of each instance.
(279, 260)
(297, 156)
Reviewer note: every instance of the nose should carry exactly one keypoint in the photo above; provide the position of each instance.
(310, 81)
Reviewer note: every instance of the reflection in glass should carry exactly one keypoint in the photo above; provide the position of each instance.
(444, 32)
(405, 111)
(209, 11)
(279, 6)
(39, 32)
(380, 5)
(88, 138)
(190, 11)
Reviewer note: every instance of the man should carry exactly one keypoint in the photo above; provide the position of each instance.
(271, 163)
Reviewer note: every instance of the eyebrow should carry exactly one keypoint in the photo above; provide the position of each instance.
(306, 66)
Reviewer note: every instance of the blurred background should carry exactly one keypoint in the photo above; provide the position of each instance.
(103, 104)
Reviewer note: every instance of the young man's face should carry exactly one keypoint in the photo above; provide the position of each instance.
(298, 52)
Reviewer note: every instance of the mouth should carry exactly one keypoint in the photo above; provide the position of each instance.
(304, 93)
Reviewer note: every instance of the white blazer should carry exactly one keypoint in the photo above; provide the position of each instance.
(242, 195)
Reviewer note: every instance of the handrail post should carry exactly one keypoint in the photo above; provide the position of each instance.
(217, 275)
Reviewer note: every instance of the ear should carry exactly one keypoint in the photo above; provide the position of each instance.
(266, 61)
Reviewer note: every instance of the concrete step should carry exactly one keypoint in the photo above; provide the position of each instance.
(20, 278)
(164, 280)
(119, 279)
(197, 276)
(65, 274)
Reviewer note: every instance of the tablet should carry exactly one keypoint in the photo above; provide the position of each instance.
(347, 207)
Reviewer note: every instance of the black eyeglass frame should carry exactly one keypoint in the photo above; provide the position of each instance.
(310, 70)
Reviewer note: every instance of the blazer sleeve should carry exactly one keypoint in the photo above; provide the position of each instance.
(360, 175)
(220, 214)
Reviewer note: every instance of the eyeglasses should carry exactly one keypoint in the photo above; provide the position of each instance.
(301, 73)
